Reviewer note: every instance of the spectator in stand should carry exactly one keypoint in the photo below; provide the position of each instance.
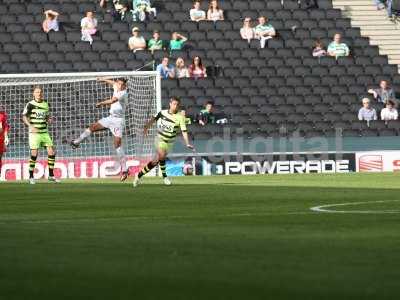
(338, 49)
(177, 41)
(196, 69)
(318, 50)
(51, 21)
(165, 70)
(206, 115)
(3, 135)
(136, 41)
(121, 8)
(247, 32)
(214, 13)
(196, 14)
(367, 113)
(389, 112)
(381, 4)
(88, 27)
(180, 69)
(383, 93)
(155, 43)
(264, 31)
(125, 14)
(142, 9)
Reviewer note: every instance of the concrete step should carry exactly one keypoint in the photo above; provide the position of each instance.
(372, 22)
(389, 32)
(392, 52)
(382, 27)
(384, 42)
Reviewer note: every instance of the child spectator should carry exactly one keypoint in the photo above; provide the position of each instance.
(136, 41)
(141, 9)
(88, 27)
(318, 50)
(196, 69)
(177, 41)
(51, 21)
(155, 43)
(214, 13)
(180, 69)
(264, 31)
(247, 32)
(165, 70)
(367, 113)
(196, 14)
(389, 112)
(206, 115)
(383, 93)
(336, 48)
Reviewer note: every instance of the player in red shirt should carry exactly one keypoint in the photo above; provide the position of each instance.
(3, 134)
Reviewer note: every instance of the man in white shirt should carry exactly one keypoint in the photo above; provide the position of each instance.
(136, 41)
(115, 122)
(389, 113)
(196, 14)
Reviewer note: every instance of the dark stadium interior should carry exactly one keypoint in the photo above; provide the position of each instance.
(267, 92)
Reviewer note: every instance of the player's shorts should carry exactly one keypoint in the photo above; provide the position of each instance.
(115, 125)
(39, 140)
(167, 147)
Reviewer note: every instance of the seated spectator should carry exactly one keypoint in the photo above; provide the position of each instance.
(51, 21)
(383, 93)
(88, 27)
(264, 31)
(214, 13)
(142, 9)
(367, 113)
(206, 115)
(125, 14)
(318, 50)
(338, 49)
(196, 69)
(247, 32)
(389, 112)
(180, 69)
(165, 70)
(196, 14)
(155, 43)
(177, 41)
(136, 41)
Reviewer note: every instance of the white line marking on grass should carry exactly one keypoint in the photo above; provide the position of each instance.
(324, 208)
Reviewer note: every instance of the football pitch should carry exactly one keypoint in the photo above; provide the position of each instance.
(230, 237)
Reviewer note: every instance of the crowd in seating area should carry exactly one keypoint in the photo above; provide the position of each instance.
(263, 63)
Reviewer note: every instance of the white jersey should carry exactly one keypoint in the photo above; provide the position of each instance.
(117, 109)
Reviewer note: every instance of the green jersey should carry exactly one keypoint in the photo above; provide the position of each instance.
(155, 45)
(263, 28)
(168, 125)
(176, 44)
(339, 49)
(38, 114)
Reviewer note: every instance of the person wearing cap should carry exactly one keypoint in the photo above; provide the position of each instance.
(155, 43)
(136, 41)
(367, 113)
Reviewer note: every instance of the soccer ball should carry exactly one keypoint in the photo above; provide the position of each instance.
(188, 169)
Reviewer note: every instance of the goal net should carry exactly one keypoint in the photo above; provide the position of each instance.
(72, 99)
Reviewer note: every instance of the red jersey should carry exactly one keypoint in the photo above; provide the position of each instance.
(4, 125)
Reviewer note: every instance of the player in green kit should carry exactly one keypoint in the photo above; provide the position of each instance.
(36, 117)
(169, 121)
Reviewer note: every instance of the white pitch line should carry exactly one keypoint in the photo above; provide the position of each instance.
(323, 208)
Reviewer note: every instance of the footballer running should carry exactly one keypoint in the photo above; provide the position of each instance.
(169, 121)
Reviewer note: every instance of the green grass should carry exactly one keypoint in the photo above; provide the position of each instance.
(203, 238)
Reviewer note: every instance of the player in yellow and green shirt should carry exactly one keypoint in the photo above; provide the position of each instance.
(169, 123)
(36, 117)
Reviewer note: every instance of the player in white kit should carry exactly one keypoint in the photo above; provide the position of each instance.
(115, 122)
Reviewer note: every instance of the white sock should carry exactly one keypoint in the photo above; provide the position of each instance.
(83, 136)
(122, 158)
